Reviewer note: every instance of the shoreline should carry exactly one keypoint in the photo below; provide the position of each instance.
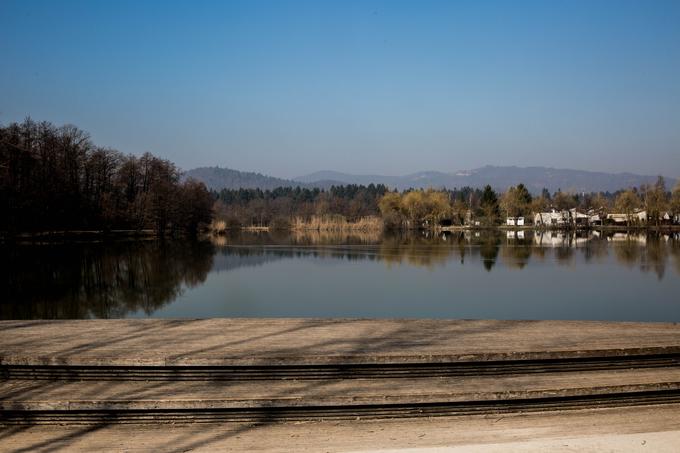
(151, 235)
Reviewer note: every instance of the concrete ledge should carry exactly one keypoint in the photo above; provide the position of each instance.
(29, 395)
(292, 342)
(624, 429)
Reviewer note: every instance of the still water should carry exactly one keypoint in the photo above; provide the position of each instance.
(495, 275)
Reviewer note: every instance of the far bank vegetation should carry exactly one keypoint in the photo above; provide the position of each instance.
(55, 179)
(374, 207)
(340, 208)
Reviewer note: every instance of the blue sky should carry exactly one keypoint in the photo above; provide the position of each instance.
(287, 88)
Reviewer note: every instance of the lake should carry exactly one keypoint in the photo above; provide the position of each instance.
(472, 275)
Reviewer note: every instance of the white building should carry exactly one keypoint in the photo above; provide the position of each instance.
(618, 218)
(622, 219)
(594, 219)
(641, 216)
(514, 221)
(554, 218)
(578, 218)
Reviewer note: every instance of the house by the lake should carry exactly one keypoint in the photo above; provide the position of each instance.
(578, 218)
(594, 218)
(562, 218)
(515, 221)
(553, 218)
(622, 219)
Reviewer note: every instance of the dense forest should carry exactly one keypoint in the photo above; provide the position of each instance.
(55, 178)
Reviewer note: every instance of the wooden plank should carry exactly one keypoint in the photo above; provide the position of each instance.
(138, 395)
(234, 342)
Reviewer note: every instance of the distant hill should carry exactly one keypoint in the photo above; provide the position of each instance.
(535, 178)
(500, 178)
(415, 180)
(217, 178)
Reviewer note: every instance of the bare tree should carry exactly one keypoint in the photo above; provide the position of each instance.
(627, 202)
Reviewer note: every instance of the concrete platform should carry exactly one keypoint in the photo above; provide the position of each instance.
(625, 429)
(95, 372)
(31, 395)
(290, 342)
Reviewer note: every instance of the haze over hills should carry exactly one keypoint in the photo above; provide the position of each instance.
(535, 178)
(217, 178)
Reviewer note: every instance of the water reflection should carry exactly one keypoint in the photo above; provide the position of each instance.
(75, 281)
(516, 249)
(97, 280)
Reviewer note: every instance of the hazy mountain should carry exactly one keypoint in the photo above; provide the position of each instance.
(345, 178)
(217, 178)
(535, 178)
(421, 179)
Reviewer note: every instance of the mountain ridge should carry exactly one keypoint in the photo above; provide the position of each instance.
(499, 177)
(218, 178)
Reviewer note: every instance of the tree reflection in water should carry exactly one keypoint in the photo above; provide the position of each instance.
(488, 249)
(648, 252)
(98, 280)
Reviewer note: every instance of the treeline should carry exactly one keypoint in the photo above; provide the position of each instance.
(55, 178)
(418, 208)
(279, 207)
(423, 208)
(656, 200)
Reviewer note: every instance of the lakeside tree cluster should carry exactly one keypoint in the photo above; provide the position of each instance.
(418, 208)
(655, 199)
(55, 178)
(279, 207)
(414, 208)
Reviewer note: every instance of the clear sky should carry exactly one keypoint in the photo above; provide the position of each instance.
(287, 88)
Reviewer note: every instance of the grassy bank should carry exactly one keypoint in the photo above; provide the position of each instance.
(331, 223)
(336, 224)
